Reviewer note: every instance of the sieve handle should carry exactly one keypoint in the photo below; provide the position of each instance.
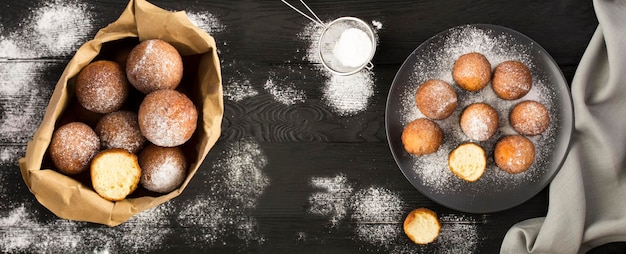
(316, 20)
(369, 65)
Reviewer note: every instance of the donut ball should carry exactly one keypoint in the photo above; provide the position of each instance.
(530, 118)
(479, 121)
(102, 87)
(120, 129)
(472, 71)
(422, 226)
(512, 80)
(153, 65)
(167, 118)
(436, 99)
(514, 154)
(115, 174)
(72, 147)
(422, 136)
(163, 169)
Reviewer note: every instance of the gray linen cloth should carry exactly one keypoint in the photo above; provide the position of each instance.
(588, 196)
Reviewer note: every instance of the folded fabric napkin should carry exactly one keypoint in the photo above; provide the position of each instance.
(588, 196)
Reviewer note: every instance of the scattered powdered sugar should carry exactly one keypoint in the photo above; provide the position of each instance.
(206, 21)
(61, 26)
(241, 166)
(378, 214)
(283, 91)
(236, 183)
(436, 62)
(332, 198)
(349, 95)
(20, 232)
(346, 95)
(56, 28)
(239, 90)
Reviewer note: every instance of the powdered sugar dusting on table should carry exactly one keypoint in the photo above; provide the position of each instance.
(234, 184)
(284, 92)
(432, 169)
(21, 231)
(206, 21)
(331, 197)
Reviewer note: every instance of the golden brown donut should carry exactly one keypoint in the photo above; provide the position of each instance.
(512, 80)
(422, 226)
(72, 147)
(167, 118)
(436, 99)
(530, 118)
(120, 129)
(468, 161)
(422, 136)
(163, 169)
(153, 65)
(479, 121)
(514, 154)
(102, 87)
(472, 71)
(115, 174)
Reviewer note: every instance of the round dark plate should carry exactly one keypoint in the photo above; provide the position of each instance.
(496, 190)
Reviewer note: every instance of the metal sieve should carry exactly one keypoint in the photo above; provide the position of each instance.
(346, 45)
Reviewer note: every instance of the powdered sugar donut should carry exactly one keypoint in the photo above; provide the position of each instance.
(153, 65)
(163, 169)
(167, 118)
(72, 147)
(120, 129)
(102, 87)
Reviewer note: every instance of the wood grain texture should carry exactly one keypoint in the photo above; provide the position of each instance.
(297, 140)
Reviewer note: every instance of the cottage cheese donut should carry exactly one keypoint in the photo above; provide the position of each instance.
(472, 71)
(436, 99)
(514, 154)
(163, 169)
(72, 147)
(167, 118)
(102, 87)
(422, 136)
(512, 80)
(153, 65)
(120, 129)
(115, 174)
(530, 118)
(422, 226)
(468, 161)
(479, 121)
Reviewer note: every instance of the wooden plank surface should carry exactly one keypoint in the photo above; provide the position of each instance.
(288, 136)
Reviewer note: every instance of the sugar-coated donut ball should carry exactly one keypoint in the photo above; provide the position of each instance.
(102, 87)
(153, 65)
(422, 136)
(479, 121)
(514, 154)
(530, 118)
(436, 99)
(72, 147)
(120, 129)
(472, 71)
(167, 118)
(163, 169)
(512, 80)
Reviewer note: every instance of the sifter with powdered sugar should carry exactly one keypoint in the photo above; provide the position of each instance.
(346, 45)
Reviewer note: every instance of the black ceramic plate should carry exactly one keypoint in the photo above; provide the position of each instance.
(496, 190)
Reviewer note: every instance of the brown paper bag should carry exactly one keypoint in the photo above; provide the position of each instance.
(70, 198)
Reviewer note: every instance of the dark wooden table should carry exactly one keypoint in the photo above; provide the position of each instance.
(281, 129)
